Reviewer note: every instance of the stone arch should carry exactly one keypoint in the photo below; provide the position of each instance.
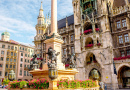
(123, 76)
(121, 65)
(96, 55)
(89, 43)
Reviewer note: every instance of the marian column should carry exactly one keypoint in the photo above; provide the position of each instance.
(53, 17)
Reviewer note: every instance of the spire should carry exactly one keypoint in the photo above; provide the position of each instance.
(41, 11)
(41, 6)
(66, 22)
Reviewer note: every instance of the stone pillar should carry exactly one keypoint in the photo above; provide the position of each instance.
(53, 17)
(127, 2)
(127, 23)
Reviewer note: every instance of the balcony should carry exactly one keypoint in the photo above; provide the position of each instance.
(90, 31)
(120, 10)
(89, 43)
(122, 59)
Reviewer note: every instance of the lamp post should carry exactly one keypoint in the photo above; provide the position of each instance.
(11, 75)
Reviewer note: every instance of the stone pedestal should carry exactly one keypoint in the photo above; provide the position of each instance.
(56, 44)
(53, 85)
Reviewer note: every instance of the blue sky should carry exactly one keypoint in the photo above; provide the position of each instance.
(19, 17)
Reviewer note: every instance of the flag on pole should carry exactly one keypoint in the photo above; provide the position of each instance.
(115, 72)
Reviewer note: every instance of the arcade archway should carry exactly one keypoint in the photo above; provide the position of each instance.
(124, 77)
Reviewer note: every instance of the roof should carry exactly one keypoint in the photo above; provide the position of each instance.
(17, 43)
(11, 42)
(62, 22)
(118, 3)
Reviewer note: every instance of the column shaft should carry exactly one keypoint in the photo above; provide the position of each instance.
(53, 16)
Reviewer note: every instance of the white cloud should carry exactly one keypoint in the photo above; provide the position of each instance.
(19, 17)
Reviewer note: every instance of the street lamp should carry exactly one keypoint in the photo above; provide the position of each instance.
(11, 75)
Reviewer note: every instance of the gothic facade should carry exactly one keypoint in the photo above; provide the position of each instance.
(102, 40)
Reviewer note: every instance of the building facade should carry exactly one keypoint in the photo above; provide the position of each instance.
(101, 38)
(66, 30)
(12, 55)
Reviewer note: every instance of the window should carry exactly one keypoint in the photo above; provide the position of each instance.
(20, 48)
(20, 65)
(24, 65)
(2, 58)
(8, 47)
(25, 55)
(23, 48)
(11, 53)
(128, 52)
(28, 66)
(64, 39)
(21, 59)
(1, 65)
(10, 66)
(122, 53)
(28, 61)
(124, 23)
(28, 50)
(64, 51)
(7, 53)
(24, 73)
(118, 24)
(2, 52)
(126, 38)
(6, 73)
(28, 55)
(21, 54)
(0, 73)
(3, 46)
(14, 54)
(11, 60)
(25, 60)
(7, 59)
(13, 66)
(20, 72)
(15, 48)
(27, 73)
(39, 31)
(71, 38)
(72, 50)
(12, 47)
(14, 60)
(120, 39)
(6, 65)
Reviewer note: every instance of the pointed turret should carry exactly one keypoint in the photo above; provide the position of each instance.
(66, 22)
(41, 12)
(41, 16)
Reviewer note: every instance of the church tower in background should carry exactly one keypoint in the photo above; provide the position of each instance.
(41, 27)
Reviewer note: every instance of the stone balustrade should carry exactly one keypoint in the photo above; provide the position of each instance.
(121, 9)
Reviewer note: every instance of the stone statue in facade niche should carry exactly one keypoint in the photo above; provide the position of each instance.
(71, 60)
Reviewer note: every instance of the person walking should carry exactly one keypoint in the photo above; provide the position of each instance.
(101, 84)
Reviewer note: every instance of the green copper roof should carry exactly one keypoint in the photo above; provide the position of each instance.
(6, 33)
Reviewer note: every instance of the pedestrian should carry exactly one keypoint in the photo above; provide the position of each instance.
(101, 85)
(105, 86)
